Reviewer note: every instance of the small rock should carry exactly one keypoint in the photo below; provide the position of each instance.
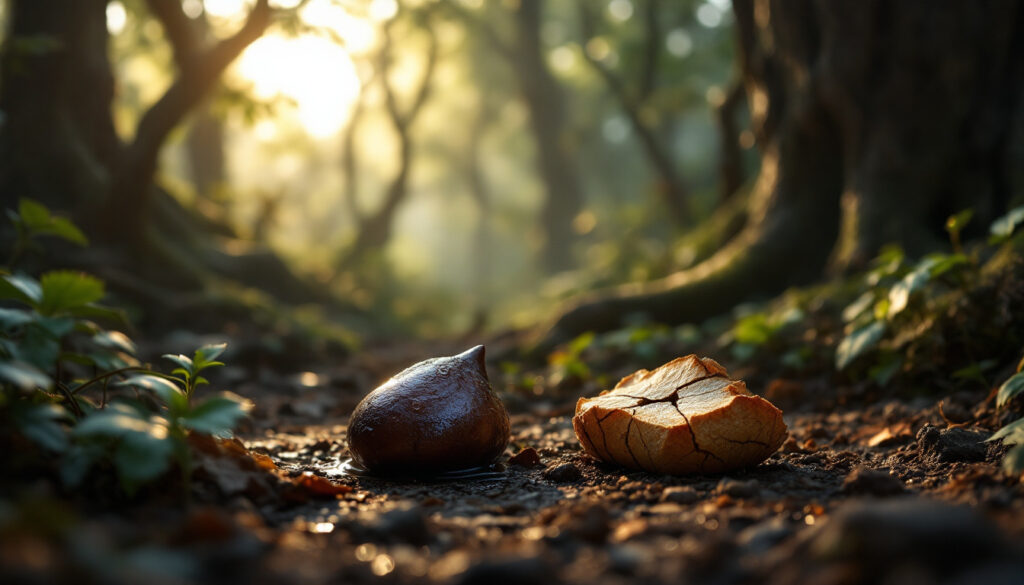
(564, 473)
(876, 482)
(950, 445)
(735, 488)
(680, 494)
(527, 457)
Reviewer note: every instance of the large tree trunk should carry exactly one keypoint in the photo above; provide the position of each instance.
(547, 106)
(57, 142)
(875, 120)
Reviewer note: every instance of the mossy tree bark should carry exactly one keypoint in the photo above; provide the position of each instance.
(875, 121)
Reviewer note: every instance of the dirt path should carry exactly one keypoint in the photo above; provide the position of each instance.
(889, 493)
(875, 495)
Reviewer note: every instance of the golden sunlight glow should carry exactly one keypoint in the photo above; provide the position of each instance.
(313, 71)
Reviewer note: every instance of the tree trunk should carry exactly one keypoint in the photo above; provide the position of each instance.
(556, 163)
(57, 143)
(875, 121)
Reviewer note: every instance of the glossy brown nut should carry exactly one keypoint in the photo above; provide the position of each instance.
(438, 415)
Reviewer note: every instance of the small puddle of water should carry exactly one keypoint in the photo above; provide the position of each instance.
(352, 469)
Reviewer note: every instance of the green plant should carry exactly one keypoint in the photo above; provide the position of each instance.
(892, 288)
(55, 358)
(1013, 433)
(32, 220)
(144, 441)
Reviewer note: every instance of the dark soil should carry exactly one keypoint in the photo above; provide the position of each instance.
(891, 492)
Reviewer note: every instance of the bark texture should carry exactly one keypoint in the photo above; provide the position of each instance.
(875, 121)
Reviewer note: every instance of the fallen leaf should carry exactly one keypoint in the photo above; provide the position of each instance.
(319, 486)
(685, 417)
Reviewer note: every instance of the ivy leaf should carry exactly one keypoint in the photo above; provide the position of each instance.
(956, 223)
(24, 375)
(899, 295)
(39, 221)
(218, 414)
(10, 318)
(1011, 434)
(858, 342)
(33, 214)
(1010, 388)
(21, 288)
(66, 289)
(115, 340)
(118, 421)
(1002, 228)
(167, 391)
(207, 353)
(857, 307)
(1013, 462)
(41, 424)
(142, 457)
(184, 363)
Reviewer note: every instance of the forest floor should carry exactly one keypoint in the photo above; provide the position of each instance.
(892, 491)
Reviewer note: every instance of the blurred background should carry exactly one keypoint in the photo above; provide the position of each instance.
(451, 164)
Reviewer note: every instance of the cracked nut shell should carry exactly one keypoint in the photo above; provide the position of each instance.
(438, 415)
(686, 416)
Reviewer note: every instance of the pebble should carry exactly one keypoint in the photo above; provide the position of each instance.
(527, 457)
(951, 445)
(564, 473)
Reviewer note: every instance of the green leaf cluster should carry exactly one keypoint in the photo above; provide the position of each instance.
(896, 290)
(1013, 433)
(55, 359)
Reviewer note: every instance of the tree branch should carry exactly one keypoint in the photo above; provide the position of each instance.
(126, 207)
(194, 82)
(673, 190)
(179, 29)
(652, 49)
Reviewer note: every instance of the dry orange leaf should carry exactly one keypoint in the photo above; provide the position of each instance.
(685, 417)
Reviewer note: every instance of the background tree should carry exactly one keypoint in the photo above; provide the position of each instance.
(546, 103)
(635, 98)
(373, 230)
(59, 143)
(875, 121)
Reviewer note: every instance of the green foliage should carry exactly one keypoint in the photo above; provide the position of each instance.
(1012, 387)
(568, 363)
(1013, 433)
(895, 293)
(33, 220)
(49, 343)
(1002, 229)
(757, 331)
(189, 368)
(956, 224)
